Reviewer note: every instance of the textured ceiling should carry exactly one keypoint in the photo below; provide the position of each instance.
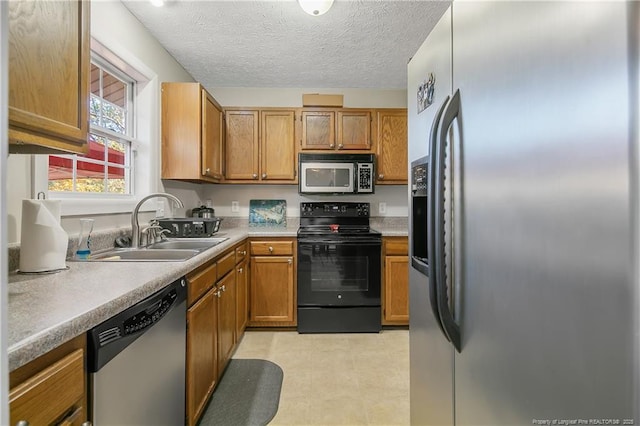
(356, 44)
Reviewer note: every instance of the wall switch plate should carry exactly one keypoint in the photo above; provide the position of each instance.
(235, 207)
(382, 208)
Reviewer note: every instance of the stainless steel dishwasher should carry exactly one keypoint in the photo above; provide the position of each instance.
(137, 362)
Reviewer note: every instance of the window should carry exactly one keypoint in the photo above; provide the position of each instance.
(107, 167)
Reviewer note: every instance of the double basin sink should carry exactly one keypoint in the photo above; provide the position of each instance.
(169, 250)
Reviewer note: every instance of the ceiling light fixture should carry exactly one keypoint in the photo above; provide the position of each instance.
(157, 3)
(315, 7)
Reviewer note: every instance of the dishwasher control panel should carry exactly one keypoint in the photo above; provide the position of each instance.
(150, 316)
(108, 339)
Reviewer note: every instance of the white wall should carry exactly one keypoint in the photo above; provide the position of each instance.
(395, 196)
(119, 31)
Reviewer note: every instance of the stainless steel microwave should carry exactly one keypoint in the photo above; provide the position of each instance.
(336, 173)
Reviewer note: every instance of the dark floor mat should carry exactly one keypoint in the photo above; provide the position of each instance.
(247, 395)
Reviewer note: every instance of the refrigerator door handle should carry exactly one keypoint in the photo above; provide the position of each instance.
(431, 219)
(447, 320)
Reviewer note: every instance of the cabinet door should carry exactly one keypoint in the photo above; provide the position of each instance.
(272, 289)
(318, 130)
(241, 143)
(396, 290)
(211, 137)
(48, 76)
(189, 127)
(354, 130)
(391, 138)
(201, 354)
(278, 145)
(226, 319)
(242, 298)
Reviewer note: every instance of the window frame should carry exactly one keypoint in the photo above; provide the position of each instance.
(128, 138)
(144, 180)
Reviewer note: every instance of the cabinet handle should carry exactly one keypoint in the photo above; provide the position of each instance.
(264, 176)
(239, 270)
(224, 288)
(255, 176)
(207, 171)
(217, 293)
(380, 176)
(331, 145)
(340, 146)
(243, 252)
(290, 261)
(270, 249)
(87, 424)
(22, 423)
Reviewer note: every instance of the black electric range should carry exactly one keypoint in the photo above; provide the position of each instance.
(339, 270)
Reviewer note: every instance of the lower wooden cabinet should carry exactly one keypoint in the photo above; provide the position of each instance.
(212, 329)
(226, 292)
(395, 281)
(272, 291)
(52, 388)
(242, 298)
(202, 354)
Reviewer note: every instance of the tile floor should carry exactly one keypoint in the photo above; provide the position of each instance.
(337, 379)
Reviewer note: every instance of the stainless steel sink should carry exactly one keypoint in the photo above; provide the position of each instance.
(170, 250)
(143, 255)
(187, 243)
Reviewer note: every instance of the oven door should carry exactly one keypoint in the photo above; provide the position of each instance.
(324, 177)
(342, 272)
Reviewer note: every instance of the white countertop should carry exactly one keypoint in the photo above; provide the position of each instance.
(48, 310)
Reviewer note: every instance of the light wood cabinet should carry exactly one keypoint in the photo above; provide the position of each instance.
(242, 297)
(226, 292)
(192, 134)
(336, 129)
(260, 146)
(52, 388)
(272, 291)
(49, 60)
(395, 281)
(202, 354)
(391, 146)
(241, 145)
(318, 130)
(354, 130)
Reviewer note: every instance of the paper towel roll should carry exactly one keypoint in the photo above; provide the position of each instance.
(43, 242)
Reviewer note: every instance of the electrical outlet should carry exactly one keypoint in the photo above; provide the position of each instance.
(382, 208)
(235, 207)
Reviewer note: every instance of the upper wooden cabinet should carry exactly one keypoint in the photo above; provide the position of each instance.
(49, 60)
(391, 146)
(191, 133)
(318, 130)
(354, 130)
(260, 146)
(335, 129)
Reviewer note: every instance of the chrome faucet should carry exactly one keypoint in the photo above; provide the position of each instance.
(135, 226)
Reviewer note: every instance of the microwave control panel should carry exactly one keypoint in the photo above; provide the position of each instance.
(365, 177)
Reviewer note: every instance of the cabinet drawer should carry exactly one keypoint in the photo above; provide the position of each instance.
(200, 282)
(226, 263)
(241, 253)
(397, 247)
(276, 248)
(48, 395)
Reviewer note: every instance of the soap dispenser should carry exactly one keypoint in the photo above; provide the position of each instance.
(84, 240)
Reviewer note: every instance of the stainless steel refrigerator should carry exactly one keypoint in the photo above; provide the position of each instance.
(524, 295)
